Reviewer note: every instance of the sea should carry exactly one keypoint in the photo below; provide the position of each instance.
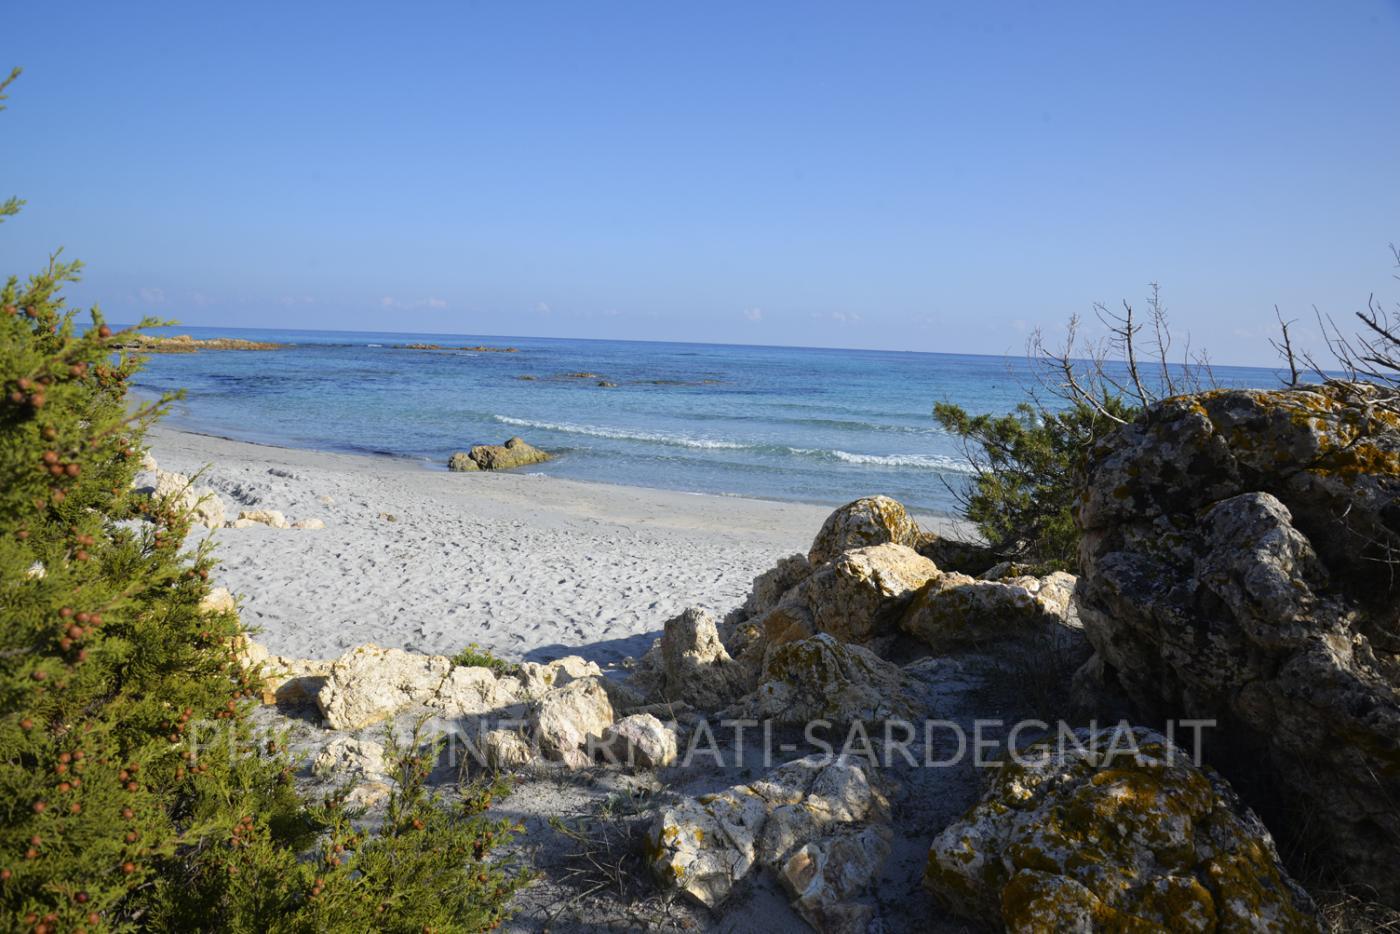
(786, 423)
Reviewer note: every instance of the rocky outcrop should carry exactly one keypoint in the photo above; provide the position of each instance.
(705, 846)
(820, 678)
(285, 681)
(538, 678)
(1114, 830)
(568, 721)
(874, 520)
(503, 750)
(689, 663)
(954, 611)
(514, 453)
(863, 593)
(184, 343)
(952, 554)
(1238, 565)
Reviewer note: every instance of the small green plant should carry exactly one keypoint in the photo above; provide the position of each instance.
(474, 656)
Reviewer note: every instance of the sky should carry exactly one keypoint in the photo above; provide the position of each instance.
(910, 176)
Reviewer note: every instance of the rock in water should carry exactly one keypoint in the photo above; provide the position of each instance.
(874, 520)
(1239, 563)
(461, 461)
(514, 453)
(1114, 830)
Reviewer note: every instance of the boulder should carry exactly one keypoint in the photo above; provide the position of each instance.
(640, 741)
(285, 681)
(1238, 565)
(503, 750)
(309, 524)
(954, 610)
(770, 586)
(514, 453)
(820, 678)
(1114, 829)
(705, 846)
(873, 520)
(825, 877)
(369, 684)
(218, 600)
(570, 719)
(863, 593)
(468, 691)
(689, 663)
(346, 757)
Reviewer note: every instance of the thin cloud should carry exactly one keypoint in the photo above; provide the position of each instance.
(754, 314)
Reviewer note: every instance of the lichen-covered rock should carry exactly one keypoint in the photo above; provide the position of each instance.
(571, 719)
(1238, 565)
(873, 520)
(346, 757)
(369, 684)
(705, 846)
(641, 741)
(1114, 830)
(689, 663)
(863, 593)
(821, 678)
(505, 749)
(954, 610)
(538, 678)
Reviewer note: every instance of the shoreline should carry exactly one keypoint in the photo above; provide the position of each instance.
(527, 566)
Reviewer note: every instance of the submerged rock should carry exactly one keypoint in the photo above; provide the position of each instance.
(874, 520)
(1239, 565)
(1115, 830)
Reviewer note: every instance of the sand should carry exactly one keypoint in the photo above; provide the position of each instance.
(527, 566)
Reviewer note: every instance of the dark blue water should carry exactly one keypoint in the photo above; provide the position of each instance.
(822, 426)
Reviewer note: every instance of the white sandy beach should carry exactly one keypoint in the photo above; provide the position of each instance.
(527, 566)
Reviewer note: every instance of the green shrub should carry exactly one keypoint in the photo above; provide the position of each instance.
(1029, 471)
(112, 815)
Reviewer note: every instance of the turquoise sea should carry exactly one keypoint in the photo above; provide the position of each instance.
(812, 425)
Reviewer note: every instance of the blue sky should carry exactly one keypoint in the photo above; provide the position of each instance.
(921, 176)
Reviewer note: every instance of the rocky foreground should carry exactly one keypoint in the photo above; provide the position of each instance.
(895, 732)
